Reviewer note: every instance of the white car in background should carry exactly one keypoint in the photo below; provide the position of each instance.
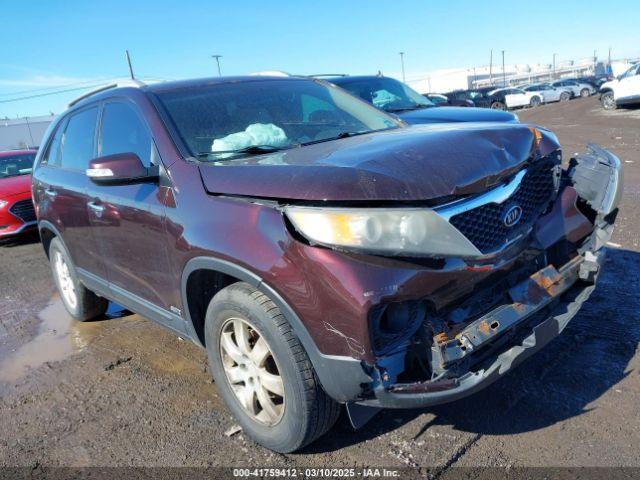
(624, 90)
(549, 93)
(516, 97)
(578, 89)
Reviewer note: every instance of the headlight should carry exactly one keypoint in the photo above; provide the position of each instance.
(391, 231)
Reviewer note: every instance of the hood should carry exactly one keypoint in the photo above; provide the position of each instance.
(609, 84)
(405, 164)
(456, 114)
(15, 185)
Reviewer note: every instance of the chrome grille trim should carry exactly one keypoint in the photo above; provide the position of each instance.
(499, 195)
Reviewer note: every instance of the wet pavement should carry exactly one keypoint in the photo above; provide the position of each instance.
(121, 391)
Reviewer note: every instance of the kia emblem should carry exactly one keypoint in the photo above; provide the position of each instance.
(512, 216)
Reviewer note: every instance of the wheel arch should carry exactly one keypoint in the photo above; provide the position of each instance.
(341, 388)
(47, 233)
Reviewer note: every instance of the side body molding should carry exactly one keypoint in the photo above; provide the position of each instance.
(341, 377)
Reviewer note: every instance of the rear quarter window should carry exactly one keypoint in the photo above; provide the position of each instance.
(52, 153)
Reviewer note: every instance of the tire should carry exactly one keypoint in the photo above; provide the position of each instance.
(498, 106)
(608, 101)
(565, 96)
(535, 102)
(81, 303)
(584, 93)
(283, 422)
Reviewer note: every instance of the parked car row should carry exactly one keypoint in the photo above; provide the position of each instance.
(324, 250)
(527, 95)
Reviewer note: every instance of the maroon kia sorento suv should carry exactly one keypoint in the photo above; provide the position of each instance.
(323, 252)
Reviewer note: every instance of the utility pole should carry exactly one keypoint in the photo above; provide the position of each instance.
(553, 77)
(218, 57)
(504, 75)
(491, 68)
(402, 63)
(129, 63)
(33, 144)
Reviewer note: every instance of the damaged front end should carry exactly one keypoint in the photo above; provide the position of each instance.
(443, 350)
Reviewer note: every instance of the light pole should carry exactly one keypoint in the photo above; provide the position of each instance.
(553, 76)
(217, 57)
(504, 75)
(491, 68)
(402, 63)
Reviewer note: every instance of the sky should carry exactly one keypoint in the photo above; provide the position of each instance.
(51, 46)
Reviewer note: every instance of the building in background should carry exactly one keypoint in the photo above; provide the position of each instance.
(443, 81)
(24, 132)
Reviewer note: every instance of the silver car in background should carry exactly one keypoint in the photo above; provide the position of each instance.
(578, 89)
(550, 94)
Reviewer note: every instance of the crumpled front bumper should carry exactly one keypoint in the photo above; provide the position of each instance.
(597, 177)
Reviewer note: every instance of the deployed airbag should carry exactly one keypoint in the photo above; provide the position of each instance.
(254, 134)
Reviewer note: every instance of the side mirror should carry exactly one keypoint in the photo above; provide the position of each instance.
(121, 169)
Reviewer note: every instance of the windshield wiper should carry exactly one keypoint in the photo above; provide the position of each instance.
(251, 150)
(419, 106)
(345, 134)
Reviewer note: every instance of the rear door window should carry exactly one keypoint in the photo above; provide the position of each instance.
(77, 141)
(123, 131)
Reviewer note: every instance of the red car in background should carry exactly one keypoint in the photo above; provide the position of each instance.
(16, 207)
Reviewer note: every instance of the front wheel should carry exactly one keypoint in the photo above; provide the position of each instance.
(565, 96)
(498, 106)
(81, 303)
(262, 371)
(608, 101)
(535, 101)
(585, 92)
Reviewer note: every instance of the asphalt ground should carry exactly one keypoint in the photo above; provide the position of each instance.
(123, 392)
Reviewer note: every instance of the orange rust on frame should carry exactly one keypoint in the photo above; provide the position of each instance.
(484, 328)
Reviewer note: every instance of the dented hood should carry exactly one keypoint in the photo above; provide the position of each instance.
(424, 162)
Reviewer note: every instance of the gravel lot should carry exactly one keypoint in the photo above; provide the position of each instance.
(124, 392)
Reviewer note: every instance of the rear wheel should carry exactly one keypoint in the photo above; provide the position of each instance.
(498, 106)
(565, 96)
(262, 371)
(81, 303)
(585, 92)
(535, 101)
(608, 101)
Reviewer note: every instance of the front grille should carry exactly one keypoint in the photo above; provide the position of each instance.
(484, 226)
(24, 210)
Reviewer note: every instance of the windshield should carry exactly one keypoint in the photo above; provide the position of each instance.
(630, 72)
(261, 116)
(386, 93)
(14, 165)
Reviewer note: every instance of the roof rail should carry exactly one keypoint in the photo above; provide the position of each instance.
(116, 84)
(319, 75)
(271, 73)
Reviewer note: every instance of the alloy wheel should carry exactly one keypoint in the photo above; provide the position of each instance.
(67, 288)
(608, 101)
(252, 371)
